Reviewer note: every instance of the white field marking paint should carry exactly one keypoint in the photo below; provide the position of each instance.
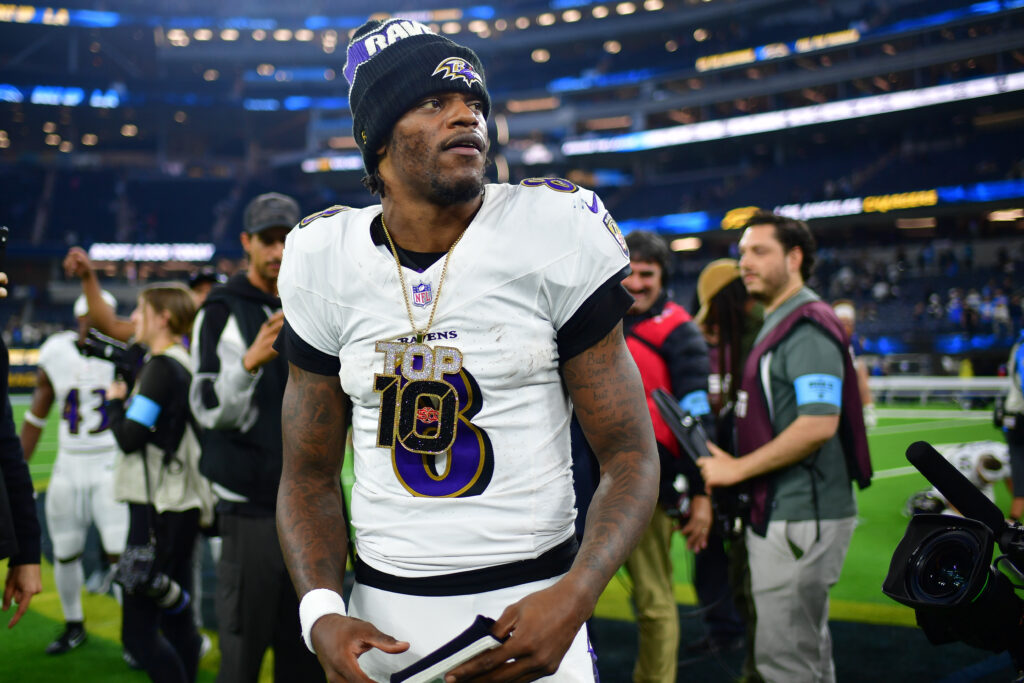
(918, 426)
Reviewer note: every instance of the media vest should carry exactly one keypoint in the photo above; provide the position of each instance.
(754, 420)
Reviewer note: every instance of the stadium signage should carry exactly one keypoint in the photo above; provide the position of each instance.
(772, 51)
(858, 205)
(151, 252)
(59, 96)
(842, 110)
(904, 200)
(29, 14)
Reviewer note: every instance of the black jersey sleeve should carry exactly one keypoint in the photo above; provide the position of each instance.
(595, 317)
(295, 349)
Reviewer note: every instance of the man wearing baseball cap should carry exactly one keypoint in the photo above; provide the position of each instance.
(237, 387)
(451, 325)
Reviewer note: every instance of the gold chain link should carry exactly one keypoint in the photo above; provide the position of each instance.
(405, 293)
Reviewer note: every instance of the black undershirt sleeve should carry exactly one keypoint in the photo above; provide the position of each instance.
(295, 349)
(595, 318)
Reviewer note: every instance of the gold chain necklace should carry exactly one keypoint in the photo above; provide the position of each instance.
(419, 334)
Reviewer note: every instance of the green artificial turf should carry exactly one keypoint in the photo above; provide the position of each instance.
(857, 597)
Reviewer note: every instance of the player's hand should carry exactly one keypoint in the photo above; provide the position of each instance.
(339, 640)
(117, 390)
(23, 581)
(721, 469)
(262, 350)
(77, 263)
(698, 526)
(540, 629)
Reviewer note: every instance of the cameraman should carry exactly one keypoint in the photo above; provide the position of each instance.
(157, 473)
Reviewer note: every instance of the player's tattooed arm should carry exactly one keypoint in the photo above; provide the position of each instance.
(313, 533)
(315, 417)
(608, 397)
(605, 386)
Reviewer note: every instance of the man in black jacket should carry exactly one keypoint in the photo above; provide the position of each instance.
(236, 396)
(19, 525)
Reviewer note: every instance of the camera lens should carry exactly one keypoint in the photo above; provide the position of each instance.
(941, 569)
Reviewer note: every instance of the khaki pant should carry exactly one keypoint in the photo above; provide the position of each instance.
(657, 616)
(791, 573)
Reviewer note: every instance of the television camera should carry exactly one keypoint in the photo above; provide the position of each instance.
(942, 567)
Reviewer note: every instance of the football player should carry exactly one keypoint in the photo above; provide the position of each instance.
(983, 463)
(81, 486)
(454, 326)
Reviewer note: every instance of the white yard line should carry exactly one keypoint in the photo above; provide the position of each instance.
(979, 415)
(895, 472)
(918, 426)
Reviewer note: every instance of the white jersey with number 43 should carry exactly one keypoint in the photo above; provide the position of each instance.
(462, 455)
(80, 390)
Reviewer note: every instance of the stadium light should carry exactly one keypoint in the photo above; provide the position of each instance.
(653, 5)
(451, 27)
(599, 12)
(90, 140)
(202, 34)
(1006, 215)
(52, 140)
(282, 35)
(571, 16)
(259, 34)
(612, 47)
(522, 22)
(546, 19)
(625, 8)
(540, 55)
(49, 127)
(229, 34)
(304, 35)
(129, 130)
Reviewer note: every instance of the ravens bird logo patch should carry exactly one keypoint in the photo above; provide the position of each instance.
(456, 68)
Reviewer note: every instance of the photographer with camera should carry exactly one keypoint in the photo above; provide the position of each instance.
(158, 475)
(800, 433)
(81, 489)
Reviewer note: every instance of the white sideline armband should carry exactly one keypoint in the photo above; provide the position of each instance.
(35, 420)
(317, 603)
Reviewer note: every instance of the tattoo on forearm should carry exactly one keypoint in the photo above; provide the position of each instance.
(312, 531)
(610, 405)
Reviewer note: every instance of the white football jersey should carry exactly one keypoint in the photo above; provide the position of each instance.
(965, 457)
(80, 389)
(462, 455)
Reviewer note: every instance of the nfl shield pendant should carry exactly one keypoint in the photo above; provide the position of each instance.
(421, 294)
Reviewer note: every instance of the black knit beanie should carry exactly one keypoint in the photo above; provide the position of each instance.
(392, 65)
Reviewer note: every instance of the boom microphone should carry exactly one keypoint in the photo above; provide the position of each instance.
(963, 495)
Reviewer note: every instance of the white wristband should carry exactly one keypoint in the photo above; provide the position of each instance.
(317, 603)
(34, 419)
